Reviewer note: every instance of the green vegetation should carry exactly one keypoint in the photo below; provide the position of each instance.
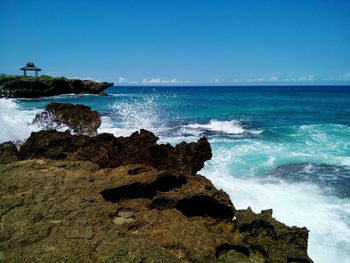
(6, 77)
(46, 77)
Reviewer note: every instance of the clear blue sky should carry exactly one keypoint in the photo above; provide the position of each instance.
(180, 41)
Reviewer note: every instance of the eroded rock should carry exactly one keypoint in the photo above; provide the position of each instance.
(271, 237)
(198, 197)
(109, 151)
(79, 118)
(60, 211)
(146, 185)
(8, 153)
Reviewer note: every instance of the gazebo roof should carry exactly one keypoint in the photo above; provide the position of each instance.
(30, 66)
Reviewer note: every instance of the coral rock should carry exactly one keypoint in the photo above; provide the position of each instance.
(109, 151)
(79, 118)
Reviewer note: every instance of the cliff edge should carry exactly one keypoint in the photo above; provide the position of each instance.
(44, 86)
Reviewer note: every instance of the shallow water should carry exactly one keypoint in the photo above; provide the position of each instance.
(286, 148)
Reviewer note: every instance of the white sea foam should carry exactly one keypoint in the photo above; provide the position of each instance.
(15, 122)
(236, 166)
(229, 127)
(297, 204)
(232, 127)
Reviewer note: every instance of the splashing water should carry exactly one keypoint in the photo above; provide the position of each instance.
(137, 114)
(128, 116)
(15, 122)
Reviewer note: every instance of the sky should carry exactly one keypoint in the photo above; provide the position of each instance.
(180, 42)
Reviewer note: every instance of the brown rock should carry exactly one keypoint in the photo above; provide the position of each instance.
(79, 118)
(78, 232)
(197, 197)
(75, 223)
(72, 211)
(146, 205)
(8, 153)
(109, 151)
(269, 237)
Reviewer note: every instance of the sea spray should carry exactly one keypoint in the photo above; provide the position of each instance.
(129, 115)
(15, 122)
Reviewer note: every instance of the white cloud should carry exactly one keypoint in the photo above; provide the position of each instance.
(256, 80)
(307, 78)
(151, 81)
(346, 76)
(165, 81)
(272, 78)
(122, 80)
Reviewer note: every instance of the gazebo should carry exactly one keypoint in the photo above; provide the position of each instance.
(31, 67)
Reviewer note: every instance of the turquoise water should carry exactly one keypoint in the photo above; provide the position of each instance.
(286, 148)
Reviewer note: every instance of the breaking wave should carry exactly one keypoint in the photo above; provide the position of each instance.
(232, 127)
(15, 122)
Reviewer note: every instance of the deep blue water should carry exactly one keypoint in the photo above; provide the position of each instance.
(286, 148)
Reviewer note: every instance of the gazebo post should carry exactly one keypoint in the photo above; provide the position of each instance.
(24, 73)
(36, 73)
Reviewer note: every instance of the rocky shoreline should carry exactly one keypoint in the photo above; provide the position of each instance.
(76, 198)
(44, 86)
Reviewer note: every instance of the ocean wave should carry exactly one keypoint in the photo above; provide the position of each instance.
(334, 179)
(15, 121)
(294, 203)
(319, 200)
(232, 127)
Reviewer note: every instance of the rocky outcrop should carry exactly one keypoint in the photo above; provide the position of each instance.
(73, 211)
(75, 198)
(79, 118)
(109, 151)
(28, 87)
(8, 153)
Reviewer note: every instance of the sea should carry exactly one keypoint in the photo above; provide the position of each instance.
(280, 147)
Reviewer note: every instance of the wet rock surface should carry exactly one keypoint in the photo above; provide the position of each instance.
(29, 87)
(79, 118)
(104, 199)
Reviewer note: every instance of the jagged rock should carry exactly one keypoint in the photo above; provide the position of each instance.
(80, 118)
(192, 196)
(8, 153)
(278, 242)
(75, 222)
(128, 199)
(198, 197)
(29, 87)
(109, 151)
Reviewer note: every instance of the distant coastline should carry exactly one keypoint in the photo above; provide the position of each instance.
(14, 86)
